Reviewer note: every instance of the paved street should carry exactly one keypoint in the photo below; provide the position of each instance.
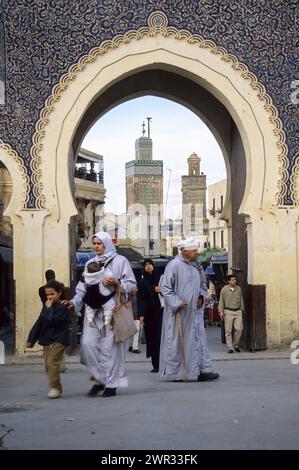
(254, 405)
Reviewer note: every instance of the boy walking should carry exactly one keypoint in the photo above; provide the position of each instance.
(51, 330)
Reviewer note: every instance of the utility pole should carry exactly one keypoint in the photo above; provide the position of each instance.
(148, 127)
(166, 200)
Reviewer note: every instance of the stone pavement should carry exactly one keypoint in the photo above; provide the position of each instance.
(254, 405)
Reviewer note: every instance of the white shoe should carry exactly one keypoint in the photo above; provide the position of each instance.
(91, 323)
(54, 393)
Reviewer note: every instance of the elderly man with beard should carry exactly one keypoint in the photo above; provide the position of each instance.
(184, 353)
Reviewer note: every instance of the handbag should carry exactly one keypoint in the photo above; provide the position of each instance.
(124, 324)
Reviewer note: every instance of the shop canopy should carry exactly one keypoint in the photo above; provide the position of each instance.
(219, 258)
(83, 256)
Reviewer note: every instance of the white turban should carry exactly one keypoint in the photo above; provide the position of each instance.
(189, 244)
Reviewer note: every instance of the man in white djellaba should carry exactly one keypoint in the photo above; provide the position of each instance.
(103, 357)
(184, 353)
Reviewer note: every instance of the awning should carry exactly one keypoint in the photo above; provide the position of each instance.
(219, 258)
(82, 257)
(206, 255)
(6, 254)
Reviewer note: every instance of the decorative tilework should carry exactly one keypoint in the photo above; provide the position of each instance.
(22, 170)
(43, 38)
(2, 64)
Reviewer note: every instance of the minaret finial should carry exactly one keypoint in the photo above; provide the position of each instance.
(143, 129)
(148, 127)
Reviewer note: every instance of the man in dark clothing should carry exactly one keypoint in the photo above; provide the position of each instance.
(50, 276)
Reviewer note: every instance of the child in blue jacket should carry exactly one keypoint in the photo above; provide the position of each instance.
(51, 330)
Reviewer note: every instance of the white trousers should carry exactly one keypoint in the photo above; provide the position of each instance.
(134, 341)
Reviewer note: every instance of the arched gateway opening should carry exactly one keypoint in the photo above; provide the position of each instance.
(224, 94)
(173, 85)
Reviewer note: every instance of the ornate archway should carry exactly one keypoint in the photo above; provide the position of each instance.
(158, 46)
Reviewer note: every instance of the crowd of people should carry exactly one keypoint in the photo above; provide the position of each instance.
(169, 307)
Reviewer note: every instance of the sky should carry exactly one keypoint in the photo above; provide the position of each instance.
(176, 133)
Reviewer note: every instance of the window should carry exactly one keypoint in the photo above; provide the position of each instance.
(193, 218)
(214, 239)
(221, 203)
(222, 239)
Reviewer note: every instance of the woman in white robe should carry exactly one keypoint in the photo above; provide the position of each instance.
(184, 353)
(103, 357)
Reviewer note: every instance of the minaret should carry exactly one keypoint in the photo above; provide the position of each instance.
(144, 145)
(194, 198)
(144, 176)
(144, 185)
(194, 165)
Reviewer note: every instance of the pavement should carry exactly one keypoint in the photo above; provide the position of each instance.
(252, 406)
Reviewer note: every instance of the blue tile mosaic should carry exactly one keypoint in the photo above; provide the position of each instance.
(43, 38)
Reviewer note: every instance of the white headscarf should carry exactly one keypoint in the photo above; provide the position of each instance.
(189, 244)
(110, 250)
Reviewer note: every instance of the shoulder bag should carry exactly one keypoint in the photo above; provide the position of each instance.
(124, 324)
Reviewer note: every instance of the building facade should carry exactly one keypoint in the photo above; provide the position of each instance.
(89, 195)
(174, 234)
(218, 232)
